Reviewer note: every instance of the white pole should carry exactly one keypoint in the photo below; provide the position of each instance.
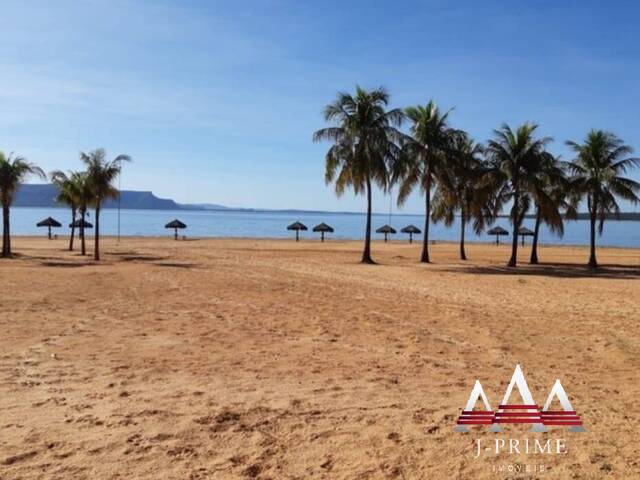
(119, 195)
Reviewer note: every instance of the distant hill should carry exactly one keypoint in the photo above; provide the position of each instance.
(43, 195)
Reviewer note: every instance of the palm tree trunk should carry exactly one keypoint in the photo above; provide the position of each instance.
(593, 263)
(6, 235)
(515, 219)
(83, 249)
(96, 243)
(73, 228)
(463, 223)
(534, 245)
(427, 207)
(366, 254)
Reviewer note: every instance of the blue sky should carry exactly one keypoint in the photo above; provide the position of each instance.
(217, 101)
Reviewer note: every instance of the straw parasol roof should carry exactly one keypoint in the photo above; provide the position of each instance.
(524, 232)
(323, 228)
(411, 229)
(49, 222)
(386, 229)
(297, 226)
(497, 231)
(80, 223)
(175, 224)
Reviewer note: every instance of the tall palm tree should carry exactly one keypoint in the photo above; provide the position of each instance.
(515, 160)
(460, 189)
(364, 149)
(69, 192)
(86, 199)
(597, 175)
(14, 170)
(423, 159)
(555, 184)
(101, 174)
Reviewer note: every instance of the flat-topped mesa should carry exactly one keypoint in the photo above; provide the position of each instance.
(43, 195)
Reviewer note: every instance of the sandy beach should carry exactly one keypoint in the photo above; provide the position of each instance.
(227, 358)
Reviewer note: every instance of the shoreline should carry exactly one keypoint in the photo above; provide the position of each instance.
(328, 240)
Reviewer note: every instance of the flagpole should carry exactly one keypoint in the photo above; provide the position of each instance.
(119, 197)
(390, 203)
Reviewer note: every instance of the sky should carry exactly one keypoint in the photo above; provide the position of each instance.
(217, 101)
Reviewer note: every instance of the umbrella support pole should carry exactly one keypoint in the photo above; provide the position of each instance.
(175, 235)
(49, 232)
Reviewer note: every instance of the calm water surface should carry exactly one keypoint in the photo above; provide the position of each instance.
(273, 224)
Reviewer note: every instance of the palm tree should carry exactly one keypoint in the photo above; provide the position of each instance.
(515, 160)
(68, 193)
(423, 158)
(13, 172)
(597, 174)
(86, 199)
(364, 149)
(558, 189)
(460, 189)
(101, 174)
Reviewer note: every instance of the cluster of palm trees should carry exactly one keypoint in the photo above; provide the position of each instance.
(79, 190)
(458, 176)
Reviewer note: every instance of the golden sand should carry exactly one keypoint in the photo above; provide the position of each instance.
(210, 359)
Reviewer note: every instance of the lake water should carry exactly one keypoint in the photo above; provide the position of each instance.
(273, 224)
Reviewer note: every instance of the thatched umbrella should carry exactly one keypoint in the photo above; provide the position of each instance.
(80, 223)
(322, 228)
(297, 226)
(411, 229)
(175, 224)
(524, 232)
(49, 222)
(497, 231)
(386, 229)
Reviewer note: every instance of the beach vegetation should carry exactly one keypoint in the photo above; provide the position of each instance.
(365, 146)
(597, 170)
(14, 170)
(100, 176)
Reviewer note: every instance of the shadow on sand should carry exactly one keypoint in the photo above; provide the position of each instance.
(177, 265)
(141, 258)
(68, 264)
(558, 270)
